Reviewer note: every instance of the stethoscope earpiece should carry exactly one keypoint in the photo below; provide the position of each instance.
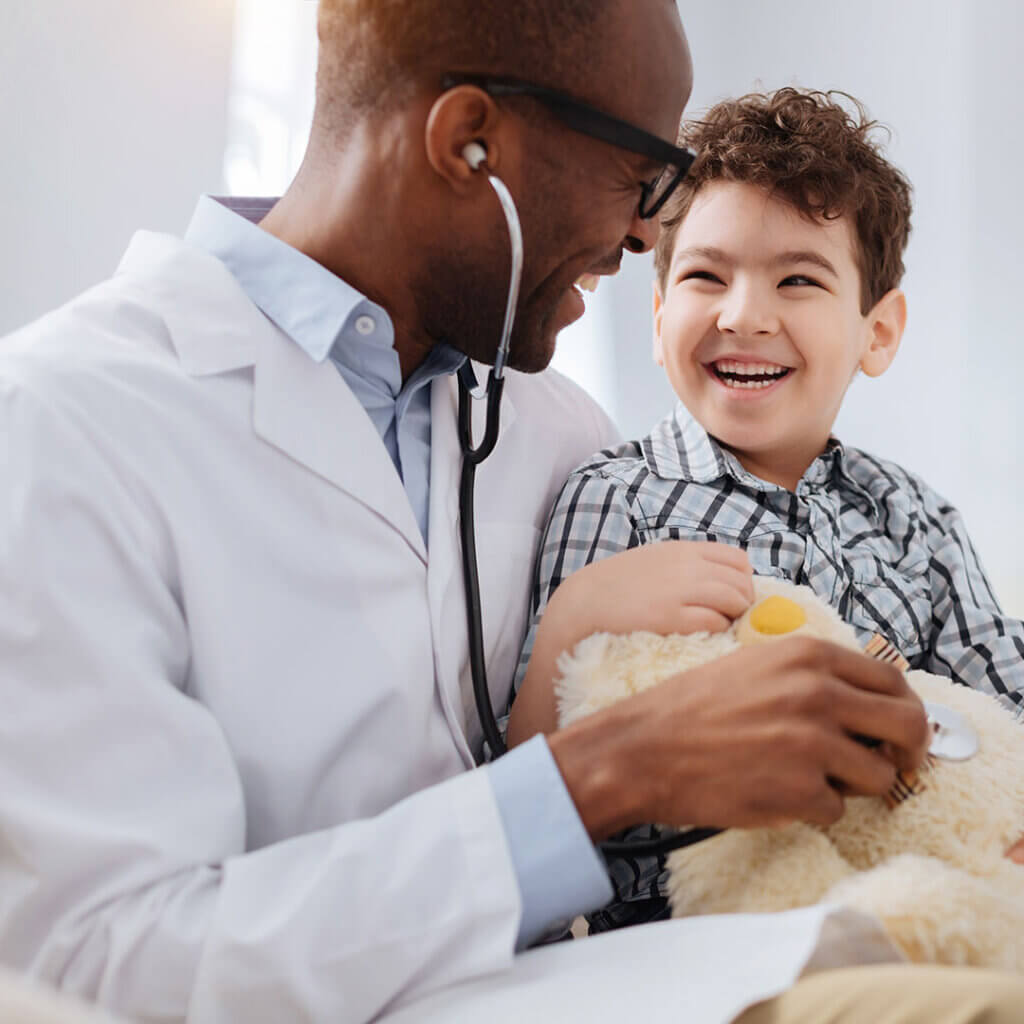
(475, 155)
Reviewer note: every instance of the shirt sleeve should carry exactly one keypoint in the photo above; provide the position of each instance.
(559, 871)
(972, 640)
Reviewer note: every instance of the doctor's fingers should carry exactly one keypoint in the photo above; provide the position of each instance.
(857, 770)
(898, 722)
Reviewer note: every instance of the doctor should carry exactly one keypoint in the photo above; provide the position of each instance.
(237, 722)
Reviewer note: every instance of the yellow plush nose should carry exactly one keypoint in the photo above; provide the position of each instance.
(776, 616)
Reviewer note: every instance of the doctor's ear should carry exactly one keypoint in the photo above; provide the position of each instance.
(461, 137)
(884, 324)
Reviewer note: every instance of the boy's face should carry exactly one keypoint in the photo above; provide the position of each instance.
(760, 329)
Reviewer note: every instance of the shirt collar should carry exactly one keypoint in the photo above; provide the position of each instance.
(309, 303)
(319, 311)
(679, 448)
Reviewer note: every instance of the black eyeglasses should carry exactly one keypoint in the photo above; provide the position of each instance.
(587, 120)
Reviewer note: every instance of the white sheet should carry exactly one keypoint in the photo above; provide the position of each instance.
(702, 970)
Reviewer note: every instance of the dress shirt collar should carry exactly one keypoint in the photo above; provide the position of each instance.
(319, 311)
(310, 304)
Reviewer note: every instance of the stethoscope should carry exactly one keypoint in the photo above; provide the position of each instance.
(475, 155)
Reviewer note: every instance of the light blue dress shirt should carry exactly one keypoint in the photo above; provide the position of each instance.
(560, 874)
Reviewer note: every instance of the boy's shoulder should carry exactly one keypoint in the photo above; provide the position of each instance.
(890, 483)
(676, 449)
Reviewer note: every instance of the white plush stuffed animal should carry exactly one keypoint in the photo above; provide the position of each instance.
(931, 866)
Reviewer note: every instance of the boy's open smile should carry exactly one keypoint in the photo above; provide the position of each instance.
(744, 375)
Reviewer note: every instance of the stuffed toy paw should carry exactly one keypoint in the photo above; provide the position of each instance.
(928, 860)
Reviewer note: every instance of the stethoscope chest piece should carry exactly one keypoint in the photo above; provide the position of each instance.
(953, 736)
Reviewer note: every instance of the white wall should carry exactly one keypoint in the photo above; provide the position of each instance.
(112, 118)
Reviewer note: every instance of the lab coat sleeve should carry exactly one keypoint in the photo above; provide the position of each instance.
(124, 872)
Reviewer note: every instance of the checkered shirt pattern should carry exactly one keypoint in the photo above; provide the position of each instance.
(868, 537)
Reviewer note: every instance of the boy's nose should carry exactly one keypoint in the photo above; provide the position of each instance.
(747, 312)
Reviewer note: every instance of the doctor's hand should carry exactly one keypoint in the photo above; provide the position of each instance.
(760, 737)
(674, 586)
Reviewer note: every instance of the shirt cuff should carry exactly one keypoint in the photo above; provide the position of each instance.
(559, 871)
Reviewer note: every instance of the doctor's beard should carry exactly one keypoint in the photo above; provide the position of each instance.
(462, 299)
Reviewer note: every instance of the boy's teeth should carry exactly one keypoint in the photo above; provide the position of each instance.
(749, 375)
(748, 369)
(588, 282)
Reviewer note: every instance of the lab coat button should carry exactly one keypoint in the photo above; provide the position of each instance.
(365, 324)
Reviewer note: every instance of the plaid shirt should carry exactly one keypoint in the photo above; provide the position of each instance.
(865, 535)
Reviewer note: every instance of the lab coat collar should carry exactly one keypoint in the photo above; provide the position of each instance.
(212, 330)
(301, 407)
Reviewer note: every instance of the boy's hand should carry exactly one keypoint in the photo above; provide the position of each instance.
(674, 586)
(763, 736)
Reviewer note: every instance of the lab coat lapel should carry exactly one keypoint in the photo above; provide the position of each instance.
(213, 332)
(303, 408)
(306, 410)
(445, 590)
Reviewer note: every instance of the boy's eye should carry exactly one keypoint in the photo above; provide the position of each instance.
(797, 280)
(700, 275)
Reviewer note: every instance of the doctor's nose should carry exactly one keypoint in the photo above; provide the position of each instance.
(748, 313)
(643, 233)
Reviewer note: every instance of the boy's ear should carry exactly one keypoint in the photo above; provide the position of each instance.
(659, 356)
(884, 323)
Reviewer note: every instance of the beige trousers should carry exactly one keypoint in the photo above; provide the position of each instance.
(896, 994)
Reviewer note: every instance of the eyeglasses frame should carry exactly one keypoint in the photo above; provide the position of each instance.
(588, 120)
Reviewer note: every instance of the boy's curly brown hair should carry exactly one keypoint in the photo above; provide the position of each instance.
(807, 149)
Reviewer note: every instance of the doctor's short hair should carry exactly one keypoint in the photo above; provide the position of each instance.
(814, 150)
(374, 54)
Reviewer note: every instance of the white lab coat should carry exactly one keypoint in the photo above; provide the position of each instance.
(236, 713)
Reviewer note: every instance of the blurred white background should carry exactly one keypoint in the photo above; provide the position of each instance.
(117, 113)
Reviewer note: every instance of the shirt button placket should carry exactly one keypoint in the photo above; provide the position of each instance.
(827, 550)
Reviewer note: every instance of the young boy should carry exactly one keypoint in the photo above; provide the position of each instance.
(778, 269)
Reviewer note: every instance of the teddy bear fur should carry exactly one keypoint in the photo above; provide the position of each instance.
(932, 868)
